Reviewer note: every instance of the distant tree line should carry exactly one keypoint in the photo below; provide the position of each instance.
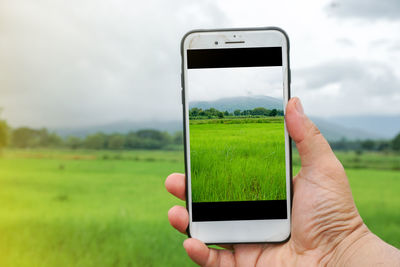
(195, 113)
(367, 145)
(25, 137)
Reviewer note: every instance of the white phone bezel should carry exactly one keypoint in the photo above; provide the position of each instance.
(241, 231)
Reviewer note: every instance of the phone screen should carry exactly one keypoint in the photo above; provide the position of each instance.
(235, 99)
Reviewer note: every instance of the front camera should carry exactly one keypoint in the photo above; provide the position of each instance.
(216, 42)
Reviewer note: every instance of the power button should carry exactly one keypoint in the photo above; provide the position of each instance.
(181, 80)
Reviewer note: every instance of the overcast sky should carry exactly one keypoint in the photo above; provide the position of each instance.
(90, 62)
(216, 83)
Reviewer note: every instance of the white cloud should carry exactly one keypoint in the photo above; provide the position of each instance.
(91, 62)
(74, 63)
(349, 87)
(371, 9)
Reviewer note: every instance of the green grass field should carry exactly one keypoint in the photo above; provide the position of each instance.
(63, 208)
(102, 208)
(370, 160)
(237, 159)
(376, 193)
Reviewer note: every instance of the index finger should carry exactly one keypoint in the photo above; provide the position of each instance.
(176, 185)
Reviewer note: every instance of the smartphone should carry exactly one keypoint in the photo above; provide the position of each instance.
(235, 87)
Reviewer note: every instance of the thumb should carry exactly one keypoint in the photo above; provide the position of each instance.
(313, 148)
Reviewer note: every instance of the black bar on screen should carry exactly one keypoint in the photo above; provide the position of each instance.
(234, 57)
(239, 210)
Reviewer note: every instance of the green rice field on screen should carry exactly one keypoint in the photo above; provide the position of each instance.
(238, 159)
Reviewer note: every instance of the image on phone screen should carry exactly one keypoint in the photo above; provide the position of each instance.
(237, 133)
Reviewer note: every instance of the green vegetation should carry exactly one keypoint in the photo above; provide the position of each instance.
(109, 208)
(198, 113)
(240, 120)
(367, 145)
(233, 160)
(366, 160)
(88, 208)
(99, 201)
(25, 137)
(376, 193)
(4, 134)
(396, 143)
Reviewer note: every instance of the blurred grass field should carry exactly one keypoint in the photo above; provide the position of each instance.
(62, 208)
(246, 160)
(102, 208)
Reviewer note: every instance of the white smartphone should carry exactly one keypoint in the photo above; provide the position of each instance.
(235, 87)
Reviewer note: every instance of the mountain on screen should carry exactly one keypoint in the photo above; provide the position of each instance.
(240, 102)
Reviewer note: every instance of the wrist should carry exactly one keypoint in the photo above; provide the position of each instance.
(363, 248)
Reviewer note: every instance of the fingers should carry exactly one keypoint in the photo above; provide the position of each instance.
(312, 146)
(197, 251)
(179, 218)
(246, 253)
(177, 215)
(204, 256)
(175, 184)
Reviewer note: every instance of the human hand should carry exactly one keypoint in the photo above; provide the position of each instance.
(326, 226)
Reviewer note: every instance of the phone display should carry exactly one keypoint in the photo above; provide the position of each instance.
(236, 143)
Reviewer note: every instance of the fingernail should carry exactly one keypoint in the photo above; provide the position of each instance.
(299, 107)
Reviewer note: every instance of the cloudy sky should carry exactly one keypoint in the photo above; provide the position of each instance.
(90, 62)
(215, 83)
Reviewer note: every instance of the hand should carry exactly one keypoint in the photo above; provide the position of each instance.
(326, 226)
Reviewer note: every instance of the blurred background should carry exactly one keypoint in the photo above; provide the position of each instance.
(91, 117)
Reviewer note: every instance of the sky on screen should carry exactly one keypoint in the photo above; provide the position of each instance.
(213, 84)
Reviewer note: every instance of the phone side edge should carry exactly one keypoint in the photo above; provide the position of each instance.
(183, 100)
(183, 95)
(289, 81)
